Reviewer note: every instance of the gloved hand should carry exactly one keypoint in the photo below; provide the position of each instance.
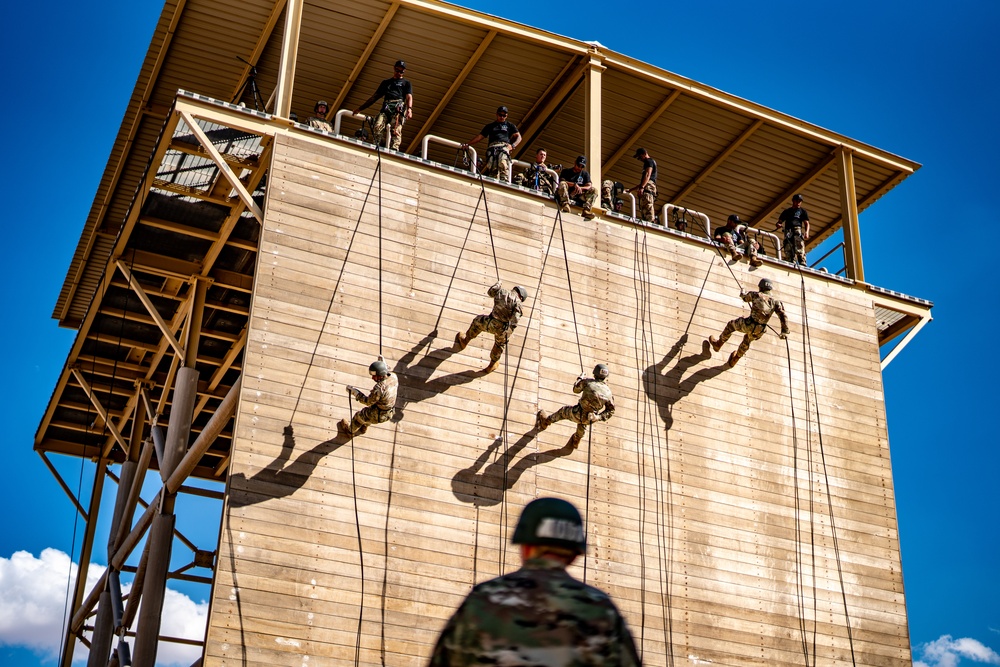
(783, 335)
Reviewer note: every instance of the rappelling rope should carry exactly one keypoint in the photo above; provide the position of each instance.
(826, 476)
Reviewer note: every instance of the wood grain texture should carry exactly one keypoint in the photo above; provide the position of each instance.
(730, 512)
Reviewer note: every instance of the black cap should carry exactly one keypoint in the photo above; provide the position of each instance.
(400, 63)
(639, 152)
(796, 197)
(501, 109)
(581, 160)
(735, 218)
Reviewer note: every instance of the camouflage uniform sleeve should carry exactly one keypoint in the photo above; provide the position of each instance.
(494, 290)
(609, 409)
(373, 397)
(748, 296)
(580, 383)
(459, 641)
(779, 308)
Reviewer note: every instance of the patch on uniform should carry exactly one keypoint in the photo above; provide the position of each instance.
(560, 529)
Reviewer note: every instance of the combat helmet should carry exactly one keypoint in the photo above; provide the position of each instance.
(765, 285)
(601, 372)
(320, 103)
(551, 522)
(521, 292)
(378, 368)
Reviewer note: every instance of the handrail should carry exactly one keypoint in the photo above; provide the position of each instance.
(760, 232)
(428, 138)
(358, 116)
(667, 208)
(631, 197)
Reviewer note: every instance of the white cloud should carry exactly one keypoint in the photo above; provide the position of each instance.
(32, 608)
(948, 652)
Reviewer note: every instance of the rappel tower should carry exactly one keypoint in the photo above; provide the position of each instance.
(239, 269)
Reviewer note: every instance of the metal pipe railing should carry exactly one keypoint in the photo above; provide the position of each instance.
(524, 165)
(760, 232)
(470, 151)
(668, 208)
(359, 116)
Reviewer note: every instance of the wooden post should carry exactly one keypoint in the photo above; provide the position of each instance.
(100, 643)
(289, 54)
(148, 629)
(179, 425)
(849, 215)
(85, 551)
(592, 139)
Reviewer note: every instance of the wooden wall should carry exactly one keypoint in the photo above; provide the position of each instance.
(732, 513)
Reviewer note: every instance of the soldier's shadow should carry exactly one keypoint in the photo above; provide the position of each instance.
(667, 387)
(486, 488)
(415, 378)
(279, 480)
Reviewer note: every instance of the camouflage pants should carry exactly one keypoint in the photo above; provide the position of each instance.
(320, 124)
(544, 183)
(794, 247)
(501, 333)
(749, 246)
(751, 329)
(497, 163)
(647, 203)
(584, 201)
(370, 415)
(395, 120)
(573, 413)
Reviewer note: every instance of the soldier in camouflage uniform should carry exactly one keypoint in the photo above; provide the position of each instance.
(539, 615)
(730, 236)
(381, 402)
(575, 187)
(536, 176)
(596, 404)
(319, 121)
(795, 221)
(501, 138)
(610, 196)
(500, 322)
(397, 107)
(646, 190)
(762, 306)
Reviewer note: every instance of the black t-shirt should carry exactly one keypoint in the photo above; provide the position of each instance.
(793, 217)
(570, 176)
(650, 163)
(496, 132)
(394, 90)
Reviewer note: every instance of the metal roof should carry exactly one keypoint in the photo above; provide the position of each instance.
(718, 153)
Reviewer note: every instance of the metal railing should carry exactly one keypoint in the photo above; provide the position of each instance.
(425, 146)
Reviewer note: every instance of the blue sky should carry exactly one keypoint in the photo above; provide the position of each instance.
(917, 79)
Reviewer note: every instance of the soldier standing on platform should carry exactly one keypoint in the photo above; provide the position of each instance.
(500, 322)
(795, 220)
(762, 306)
(397, 106)
(381, 402)
(539, 615)
(501, 138)
(596, 404)
(646, 190)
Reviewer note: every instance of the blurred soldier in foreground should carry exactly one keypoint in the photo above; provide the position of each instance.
(381, 402)
(762, 306)
(536, 176)
(596, 404)
(500, 322)
(539, 615)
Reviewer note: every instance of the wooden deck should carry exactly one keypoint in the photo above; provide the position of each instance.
(731, 513)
